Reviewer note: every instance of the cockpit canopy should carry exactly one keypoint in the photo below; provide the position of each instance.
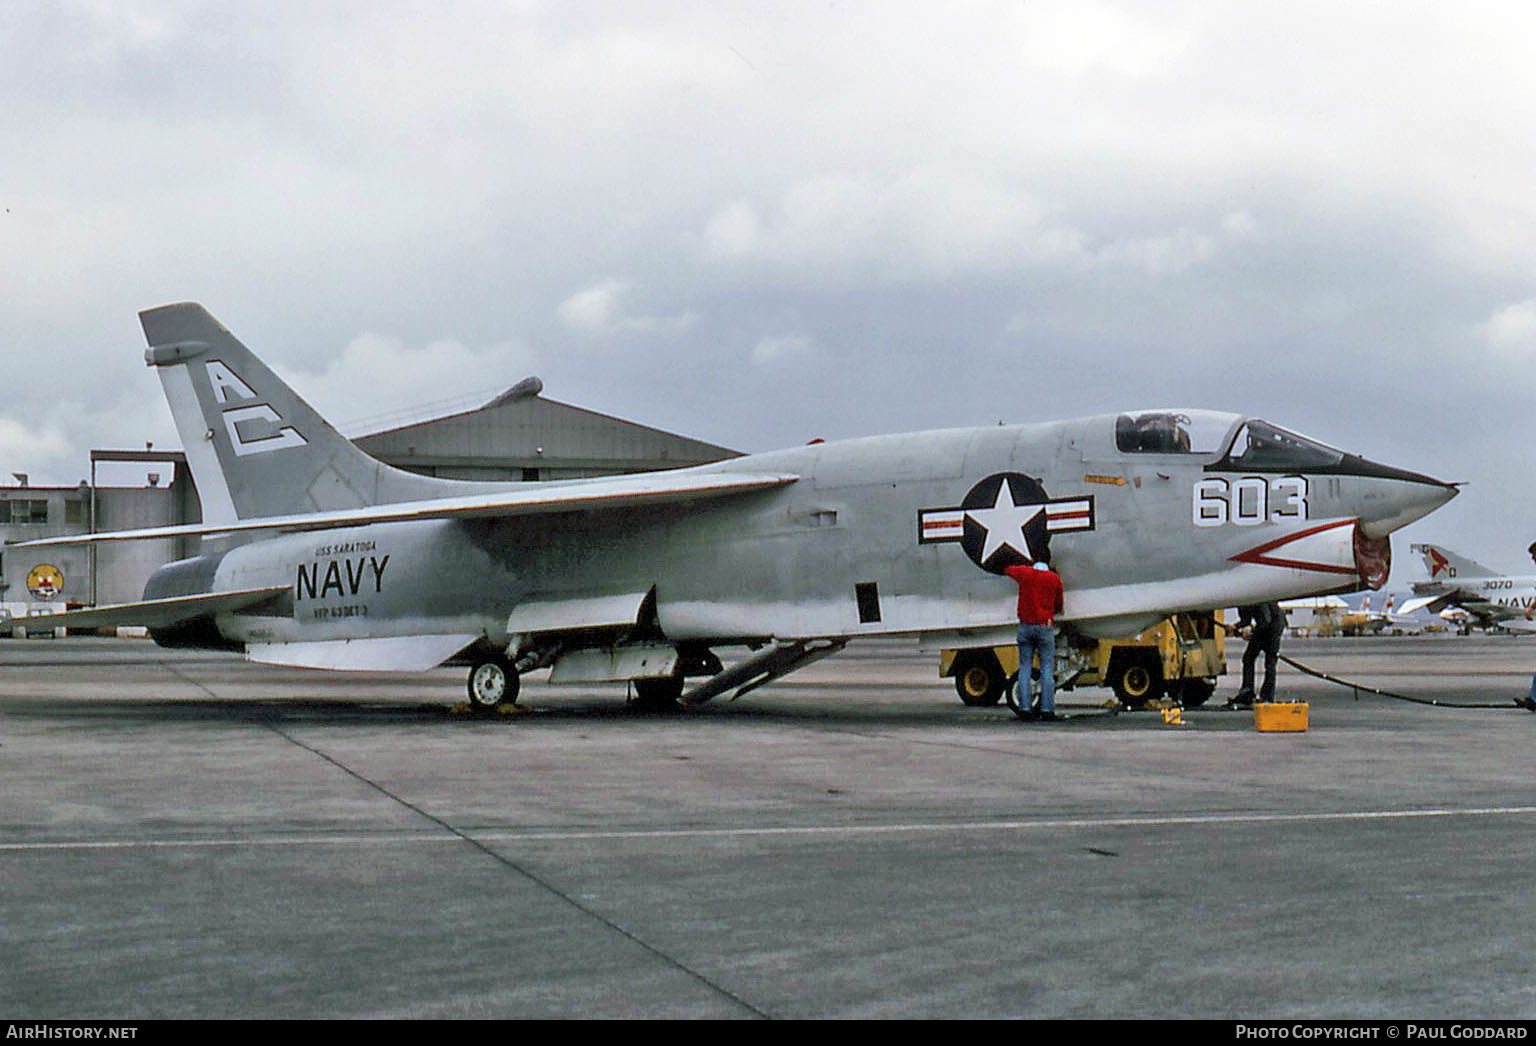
(1256, 446)
(1262, 447)
(1174, 431)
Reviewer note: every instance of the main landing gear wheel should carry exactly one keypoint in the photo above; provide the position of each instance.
(1193, 693)
(1135, 683)
(1030, 697)
(659, 694)
(493, 682)
(979, 679)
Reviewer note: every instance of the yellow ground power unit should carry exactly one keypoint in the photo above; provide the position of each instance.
(1178, 658)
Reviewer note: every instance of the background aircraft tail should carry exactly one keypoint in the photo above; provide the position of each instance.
(1442, 564)
(254, 446)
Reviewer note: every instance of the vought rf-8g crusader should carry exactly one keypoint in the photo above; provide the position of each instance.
(317, 555)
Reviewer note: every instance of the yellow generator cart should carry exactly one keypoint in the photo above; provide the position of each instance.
(1179, 658)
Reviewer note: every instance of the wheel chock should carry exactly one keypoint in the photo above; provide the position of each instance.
(464, 708)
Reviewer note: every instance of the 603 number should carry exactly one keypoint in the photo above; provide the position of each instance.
(1249, 501)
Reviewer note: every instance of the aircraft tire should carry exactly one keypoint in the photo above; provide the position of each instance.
(493, 682)
(1135, 682)
(1192, 693)
(658, 693)
(979, 679)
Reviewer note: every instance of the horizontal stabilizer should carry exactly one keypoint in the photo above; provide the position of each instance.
(1422, 602)
(152, 613)
(384, 654)
(646, 488)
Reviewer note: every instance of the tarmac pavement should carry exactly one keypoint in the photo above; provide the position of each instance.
(186, 835)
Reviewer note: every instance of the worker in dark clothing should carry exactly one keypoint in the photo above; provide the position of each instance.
(1529, 704)
(1040, 600)
(1262, 624)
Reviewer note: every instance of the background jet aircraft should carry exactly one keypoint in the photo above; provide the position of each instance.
(1381, 615)
(1352, 614)
(316, 554)
(1493, 600)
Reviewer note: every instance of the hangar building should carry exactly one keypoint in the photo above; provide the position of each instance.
(518, 436)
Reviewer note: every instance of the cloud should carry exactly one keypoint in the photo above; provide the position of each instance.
(1268, 207)
(734, 231)
(378, 381)
(774, 350)
(923, 221)
(38, 452)
(593, 308)
(1240, 225)
(596, 310)
(931, 222)
(1160, 255)
(1511, 331)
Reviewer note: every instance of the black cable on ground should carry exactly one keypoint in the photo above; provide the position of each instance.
(1526, 703)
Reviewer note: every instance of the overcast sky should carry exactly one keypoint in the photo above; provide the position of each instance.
(760, 223)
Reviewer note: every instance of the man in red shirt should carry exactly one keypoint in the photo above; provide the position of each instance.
(1040, 600)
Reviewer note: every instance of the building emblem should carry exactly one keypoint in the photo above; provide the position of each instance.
(45, 581)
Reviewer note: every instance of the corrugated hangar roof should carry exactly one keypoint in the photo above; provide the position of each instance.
(520, 431)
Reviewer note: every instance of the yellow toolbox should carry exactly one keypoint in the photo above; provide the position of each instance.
(1280, 716)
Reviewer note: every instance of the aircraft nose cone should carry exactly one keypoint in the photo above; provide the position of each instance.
(1406, 496)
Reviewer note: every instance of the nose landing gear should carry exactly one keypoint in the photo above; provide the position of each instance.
(493, 683)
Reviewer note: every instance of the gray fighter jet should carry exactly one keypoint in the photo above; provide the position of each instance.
(317, 555)
(1492, 599)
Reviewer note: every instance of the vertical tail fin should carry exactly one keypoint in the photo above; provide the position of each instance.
(254, 446)
(1443, 564)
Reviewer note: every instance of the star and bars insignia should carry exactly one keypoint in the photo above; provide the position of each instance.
(1006, 518)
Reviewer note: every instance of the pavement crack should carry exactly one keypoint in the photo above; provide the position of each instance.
(530, 876)
(187, 679)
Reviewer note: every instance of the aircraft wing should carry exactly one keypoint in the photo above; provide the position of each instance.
(151, 613)
(611, 492)
(1487, 612)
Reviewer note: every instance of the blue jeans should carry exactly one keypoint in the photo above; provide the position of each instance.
(1041, 639)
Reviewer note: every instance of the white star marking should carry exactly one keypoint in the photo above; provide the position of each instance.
(1004, 523)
